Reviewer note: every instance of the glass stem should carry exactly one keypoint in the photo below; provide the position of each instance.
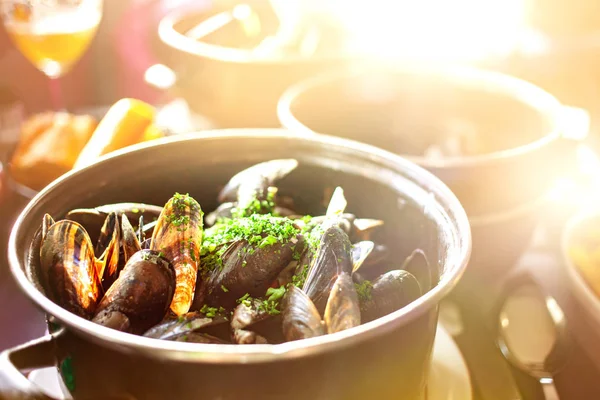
(56, 95)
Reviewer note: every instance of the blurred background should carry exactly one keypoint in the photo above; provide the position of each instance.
(225, 63)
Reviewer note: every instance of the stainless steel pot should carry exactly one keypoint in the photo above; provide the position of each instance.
(384, 359)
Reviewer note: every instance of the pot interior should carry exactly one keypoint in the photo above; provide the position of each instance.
(419, 114)
(419, 211)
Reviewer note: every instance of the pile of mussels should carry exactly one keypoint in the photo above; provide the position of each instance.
(252, 271)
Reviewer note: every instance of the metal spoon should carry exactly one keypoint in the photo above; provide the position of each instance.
(533, 336)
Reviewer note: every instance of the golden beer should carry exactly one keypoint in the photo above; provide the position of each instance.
(54, 43)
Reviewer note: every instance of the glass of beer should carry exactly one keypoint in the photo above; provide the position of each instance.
(52, 34)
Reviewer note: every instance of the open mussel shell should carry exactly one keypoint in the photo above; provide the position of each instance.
(389, 292)
(247, 315)
(108, 248)
(243, 320)
(343, 309)
(360, 252)
(130, 241)
(193, 322)
(68, 269)
(93, 218)
(199, 337)
(47, 222)
(223, 211)
(261, 175)
(141, 295)
(376, 263)
(358, 229)
(299, 316)
(334, 256)
(242, 336)
(420, 268)
(246, 269)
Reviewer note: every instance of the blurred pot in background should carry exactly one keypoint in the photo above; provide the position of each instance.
(498, 142)
(232, 62)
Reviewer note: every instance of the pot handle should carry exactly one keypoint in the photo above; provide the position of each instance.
(38, 353)
(575, 123)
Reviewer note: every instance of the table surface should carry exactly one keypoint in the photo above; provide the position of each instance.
(492, 377)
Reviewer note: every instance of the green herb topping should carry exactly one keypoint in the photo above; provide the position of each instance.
(252, 205)
(259, 231)
(270, 305)
(363, 290)
(211, 312)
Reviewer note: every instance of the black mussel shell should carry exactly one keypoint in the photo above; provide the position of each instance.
(390, 292)
(333, 256)
(141, 295)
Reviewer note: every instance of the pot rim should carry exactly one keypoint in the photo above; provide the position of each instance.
(217, 353)
(176, 40)
(524, 92)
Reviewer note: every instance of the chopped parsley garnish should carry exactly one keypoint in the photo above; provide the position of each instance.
(211, 312)
(245, 300)
(270, 305)
(223, 288)
(299, 279)
(363, 290)
(183, 208)
(252, 205)
(259, 231)
(275, 294)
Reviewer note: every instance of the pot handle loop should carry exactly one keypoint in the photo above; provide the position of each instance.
(575, 123)
(38, 353)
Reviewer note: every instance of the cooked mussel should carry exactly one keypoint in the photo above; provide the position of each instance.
(300, 318)
(193, 322)
(333, 257)
(199, 337)
(253, 271)
(248, 269)
(94, 218)
(359, 229)
(68, 267)
(343, 309)
(108, 248)
(178, 235)
(259, 176)
(245, 315)
(245, 255)
(388, 293)
(419, 267)
(130, 241)
(224, 211)
(141, 295)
